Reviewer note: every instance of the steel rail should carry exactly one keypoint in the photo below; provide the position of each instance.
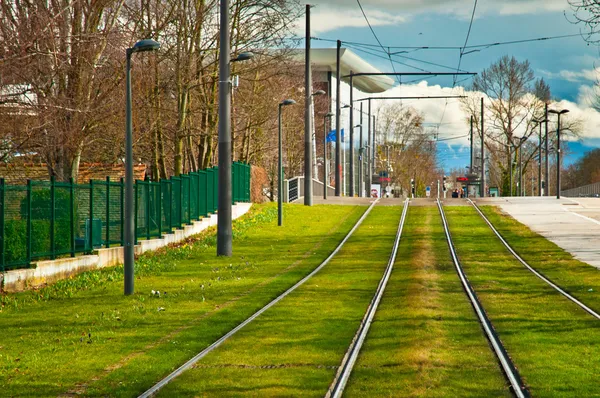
(336, 388)
(508, 367)
(530, 268)
(158, 386)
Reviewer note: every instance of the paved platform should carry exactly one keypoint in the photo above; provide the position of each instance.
(572, 224)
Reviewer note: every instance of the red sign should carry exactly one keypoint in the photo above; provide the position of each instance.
(462, 179)
(388, 179)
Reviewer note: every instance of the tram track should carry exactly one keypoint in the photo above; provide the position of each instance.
(532, 269)
(508, 367)
(338, 384)
(192, 362)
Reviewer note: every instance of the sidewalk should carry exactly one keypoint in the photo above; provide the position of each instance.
(572, 224)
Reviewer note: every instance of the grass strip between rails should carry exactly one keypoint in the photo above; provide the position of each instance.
(82, 336)
(425, 340)
(579, 279)
(553, 342)
(295, 348)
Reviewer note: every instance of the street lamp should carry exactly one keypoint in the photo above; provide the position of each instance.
(224, 227)
(283, 103)
(308, 164)
(561, 112)
(539, 123)
(129, 233)
(325, 175)
(351, 193)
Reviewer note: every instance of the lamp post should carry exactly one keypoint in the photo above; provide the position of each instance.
(351, 192)
(283, 103)
(342, 168)
(224, 233)
(539, 122)
(521, 140)
(308, 162)
(129, 233)
(561, 112)
(325, 175)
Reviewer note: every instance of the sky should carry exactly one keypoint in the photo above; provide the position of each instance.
(569, 65)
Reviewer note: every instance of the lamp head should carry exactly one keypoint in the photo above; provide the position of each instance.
(318, 92)
(330, 114)
(286, 102)
(245, 56)
(345, 107)
(145, 45)
(561, 112)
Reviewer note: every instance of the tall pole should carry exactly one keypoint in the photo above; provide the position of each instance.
(224, 208)
(540, 163)
(307, 117)
(325, 179)
(547, 159)
(472, 147)
(510, 170)
(482, 153)
(338, 111)
(360, 156)
(373, 150)
(521, 169)
(351, 192)
(129, 234)
(558, 158)
(369, 163)
(280, 175)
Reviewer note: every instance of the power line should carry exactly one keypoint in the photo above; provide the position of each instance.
(376, 38)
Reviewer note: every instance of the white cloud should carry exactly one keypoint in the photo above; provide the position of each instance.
(324, 19)
(573, 76)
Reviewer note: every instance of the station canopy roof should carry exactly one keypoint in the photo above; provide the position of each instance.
(324, 60)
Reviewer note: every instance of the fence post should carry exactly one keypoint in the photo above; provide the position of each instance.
(147, 208)
(91, 225)
(122, 199)
(180, 221)
(135, 212)
(72, 214)
(171, 205)
(2, 204)
(160, 209)
(28, 224)
(107, 243)
(52, 217)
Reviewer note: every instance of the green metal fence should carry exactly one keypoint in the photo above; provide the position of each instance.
(47, 219)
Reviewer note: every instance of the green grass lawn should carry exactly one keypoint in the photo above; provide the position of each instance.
(294, 348)
(83, 336)
(425, 340)
(553, 343)
(578, 278)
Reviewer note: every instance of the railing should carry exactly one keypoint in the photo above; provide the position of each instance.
(48, 219)
(591, 190)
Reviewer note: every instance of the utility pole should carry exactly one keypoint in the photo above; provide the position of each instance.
(482, 153)
(547, 170)
(338, 111)
(369, 168)
(360, 156)
(351, 192)
(540, 163)
(307, 116)
(472, 147)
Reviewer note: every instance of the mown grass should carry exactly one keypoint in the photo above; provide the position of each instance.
(294, 349)
(425, 340)
(553, 343)
(578, 278)
(83, 336)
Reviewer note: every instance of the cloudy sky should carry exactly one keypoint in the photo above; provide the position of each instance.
(568, 64)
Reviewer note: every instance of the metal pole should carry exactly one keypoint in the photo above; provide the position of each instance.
(482, 154)
(472, 147)
(540, 163)
(373, 150)
(510, 170)
(351, 150)
(521, 169)
(547, 170)
(369, 166)
(360, 156)
(280, 177)
(325, 157)
(224, 233)
(307, 116)
(128, 258)
(558, 159)
(338, 111)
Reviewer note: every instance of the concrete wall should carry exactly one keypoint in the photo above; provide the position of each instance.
(44, 272)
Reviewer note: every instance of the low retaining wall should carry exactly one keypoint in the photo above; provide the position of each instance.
(44, 272)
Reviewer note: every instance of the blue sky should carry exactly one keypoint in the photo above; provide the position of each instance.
(568, 64)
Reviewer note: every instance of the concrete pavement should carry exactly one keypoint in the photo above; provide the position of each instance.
(572, 224)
